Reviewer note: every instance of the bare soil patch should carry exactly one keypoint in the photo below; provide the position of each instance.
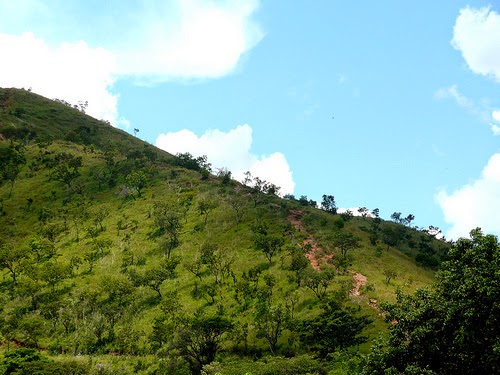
(358, 281)
(295, 218)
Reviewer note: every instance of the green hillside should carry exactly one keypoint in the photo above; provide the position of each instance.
(117, 257)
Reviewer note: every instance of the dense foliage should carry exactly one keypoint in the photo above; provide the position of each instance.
(453, 327)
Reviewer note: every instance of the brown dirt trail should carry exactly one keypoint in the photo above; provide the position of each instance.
(295, 218)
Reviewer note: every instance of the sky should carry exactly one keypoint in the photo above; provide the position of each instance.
(391, 105)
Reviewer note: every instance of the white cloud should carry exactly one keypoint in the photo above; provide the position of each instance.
(474, 205)
(231, 150)
(191, 39)
(453, 93)
(495, 129)
(477, 35)
(70, 71)
(481, 110)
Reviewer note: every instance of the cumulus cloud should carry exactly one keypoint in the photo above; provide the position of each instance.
(496, 115)
(231, 150)
(474, 205)
(495, 129)
(477, 36)
(190, 39)
(70, 71)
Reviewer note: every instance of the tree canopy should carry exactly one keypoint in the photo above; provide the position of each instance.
(453, 327)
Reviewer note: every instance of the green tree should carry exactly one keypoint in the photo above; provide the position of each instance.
(224, 175)
(347, 215)
(389, 274)
(13, 259)
(269, 245)
(328, 204)
(54, 273)
(67, 168)
(91, 257)
(452, 327)
(206, 205)
(363, 211)
(51, 231)
(43, 249)
(167, 220)
(31, 328)
(318, 282)
(345, 242)
(408, 219)
(199, 338)
(187, 160)
(137, 180)
(100, 174)
(270, 188)
(336, 328)
(396, 217)
(391, 235)
(118, 294)
(271, 321)
(218, 261)
(154, 277)
(299, 263)
(258, 188)
(98, 215)
(11, 161)
(238, 206)
(304, 201)
(32, 287)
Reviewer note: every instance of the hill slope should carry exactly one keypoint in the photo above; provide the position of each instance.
(112, 246)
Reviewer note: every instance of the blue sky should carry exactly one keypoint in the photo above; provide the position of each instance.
(391, 105)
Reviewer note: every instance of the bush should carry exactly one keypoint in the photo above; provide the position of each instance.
(52, 368)
(25, 361)
(339, 223)
(299, 365)
(15, 359)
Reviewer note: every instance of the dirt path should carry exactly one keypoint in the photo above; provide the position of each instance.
(295, 218)
(358, 281)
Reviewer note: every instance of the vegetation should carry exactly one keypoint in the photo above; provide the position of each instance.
(117, 257)
(451, 327)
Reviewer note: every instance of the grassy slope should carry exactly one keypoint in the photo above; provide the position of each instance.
(172, 184)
